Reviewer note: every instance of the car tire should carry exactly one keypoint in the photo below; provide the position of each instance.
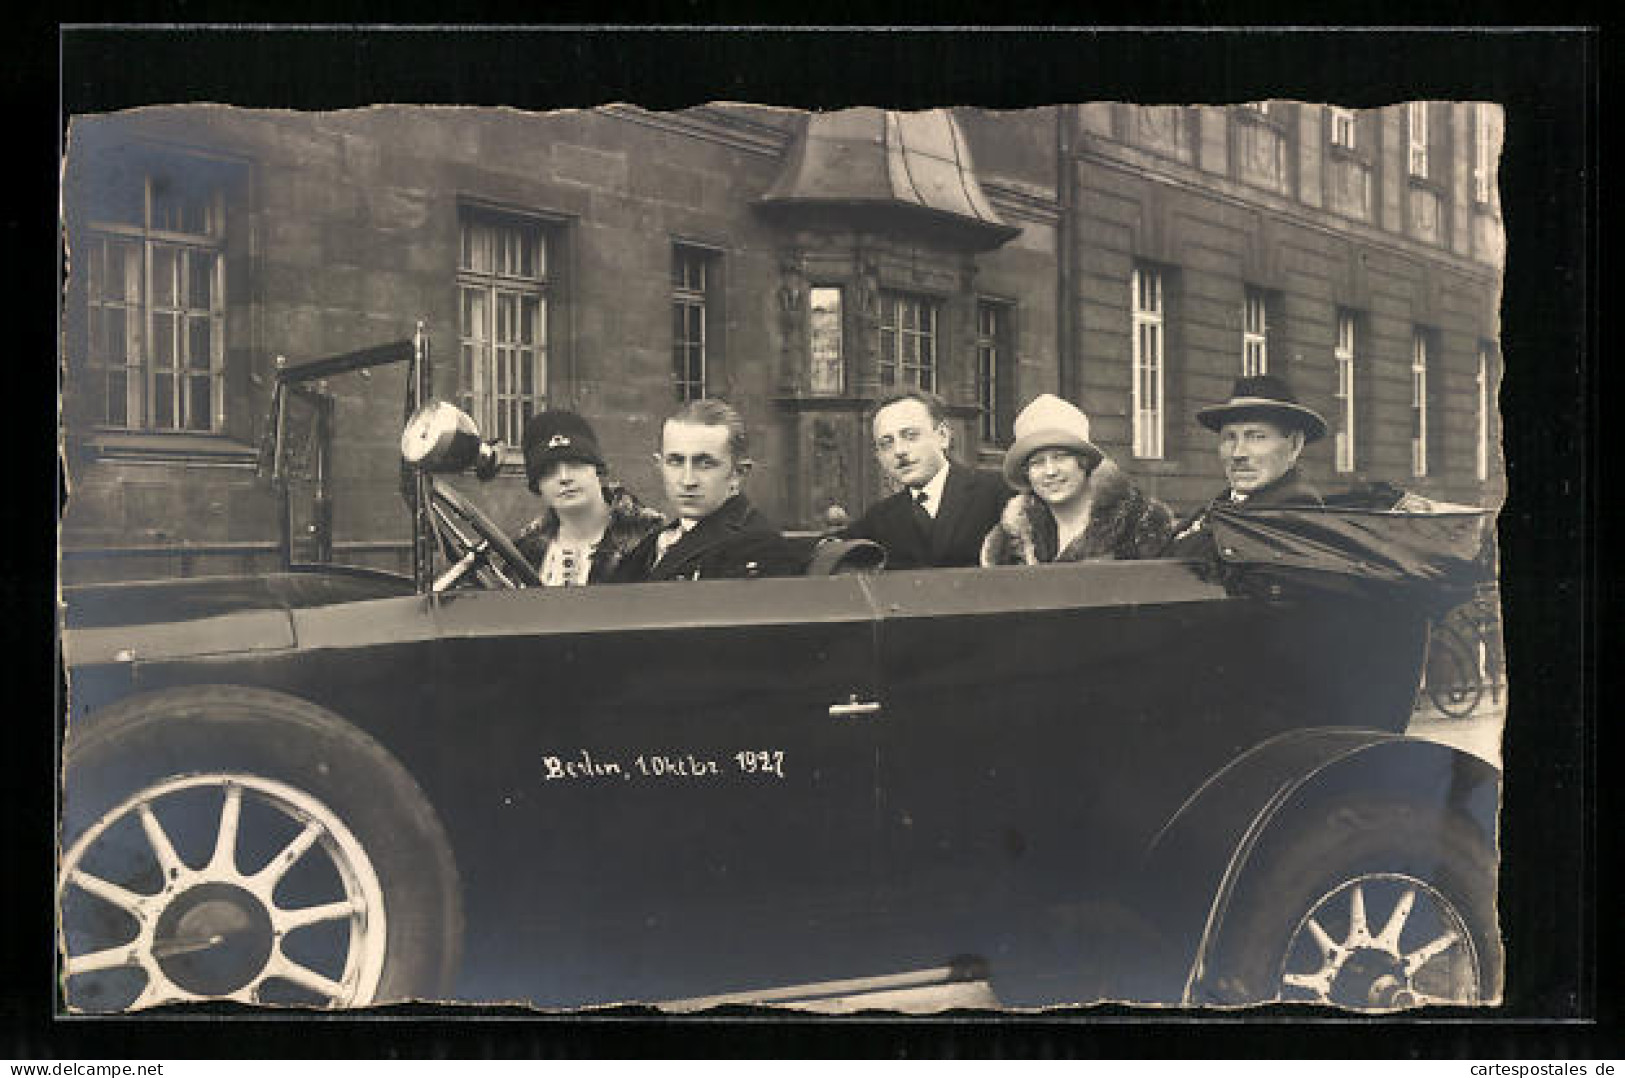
(1313, 920)
(237, 843)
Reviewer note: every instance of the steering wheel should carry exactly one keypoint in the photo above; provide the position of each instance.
(488, 553)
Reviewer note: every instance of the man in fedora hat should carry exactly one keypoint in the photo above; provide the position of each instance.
(1262, 430)
(942, 509)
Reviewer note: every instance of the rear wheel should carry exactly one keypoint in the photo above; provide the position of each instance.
(239, 844)
(1381, 906)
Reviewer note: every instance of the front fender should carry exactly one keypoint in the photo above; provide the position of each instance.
(1192, 867)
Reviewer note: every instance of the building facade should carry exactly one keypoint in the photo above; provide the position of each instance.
(617, 261)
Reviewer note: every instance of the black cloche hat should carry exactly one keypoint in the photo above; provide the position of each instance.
(557, 435)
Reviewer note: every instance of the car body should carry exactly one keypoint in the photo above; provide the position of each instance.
(1070, 783)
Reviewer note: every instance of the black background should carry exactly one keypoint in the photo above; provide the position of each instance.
(1561, 1000)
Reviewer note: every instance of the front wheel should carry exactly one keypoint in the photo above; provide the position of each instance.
(224, 843)
(1374, 907)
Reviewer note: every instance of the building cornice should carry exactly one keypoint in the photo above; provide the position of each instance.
(1020, 204)
(710, 124)
(1191, 179)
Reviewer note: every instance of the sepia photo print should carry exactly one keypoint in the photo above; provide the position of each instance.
(865, 559)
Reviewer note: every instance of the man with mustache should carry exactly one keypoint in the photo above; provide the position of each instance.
(1262, 430)
(943, 509)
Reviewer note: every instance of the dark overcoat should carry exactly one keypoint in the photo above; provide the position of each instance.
(1192, 539)
(971, 503)
(735, 541)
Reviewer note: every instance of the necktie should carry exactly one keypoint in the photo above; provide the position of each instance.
(921, 497)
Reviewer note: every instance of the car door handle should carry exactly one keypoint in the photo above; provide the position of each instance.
(854, 706)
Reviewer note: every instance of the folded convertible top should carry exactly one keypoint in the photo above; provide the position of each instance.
(1420, 552)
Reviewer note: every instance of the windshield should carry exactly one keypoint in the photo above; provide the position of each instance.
(335, 510)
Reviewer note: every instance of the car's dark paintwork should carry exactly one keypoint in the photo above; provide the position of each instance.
(1050, 744)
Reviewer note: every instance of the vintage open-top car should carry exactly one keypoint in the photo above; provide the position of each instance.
(1155, 781)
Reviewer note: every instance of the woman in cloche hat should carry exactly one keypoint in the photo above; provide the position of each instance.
(1074, 503)
(589, 524)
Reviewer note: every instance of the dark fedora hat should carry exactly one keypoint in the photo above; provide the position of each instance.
(1264, 396)
(557, 435)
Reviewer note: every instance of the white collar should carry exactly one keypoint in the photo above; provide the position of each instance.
(933, 491)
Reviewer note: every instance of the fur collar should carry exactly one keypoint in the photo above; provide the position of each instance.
(629, 521)
(1122, 523)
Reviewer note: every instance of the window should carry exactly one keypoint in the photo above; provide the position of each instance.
(1484, 145)
(1482, 469)
(995, 374)
(155, 294)
(1254, 334)
(1417, 112)
(1419, 404)
(908, 341)
(1343, 356)
(1147, 356)
(502, 322)
(1344, 129)
(693, 286)
(825, 341)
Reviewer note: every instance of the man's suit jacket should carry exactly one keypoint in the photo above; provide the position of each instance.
(971, 504)
(735, 541)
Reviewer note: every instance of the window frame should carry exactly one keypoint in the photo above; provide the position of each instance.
(1483, 154)
(1344, 120)
(890, 323)
(693, 308)
(995, 391)
(501, 414)
(815, 385)
(1147, 373)
(143, 313)
(1417, 131)
(1345, 356)
(1421, 348)
(1255, 331)
(1486, 351)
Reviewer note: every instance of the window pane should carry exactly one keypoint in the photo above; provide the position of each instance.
(163, 276)
(198, 343)
(198, 405)
(163, 341)
(200, 281)
(117, 388)
(163, 401)
(116, 347)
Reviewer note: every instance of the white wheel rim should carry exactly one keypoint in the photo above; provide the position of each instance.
(251, 893)
(1382, 941)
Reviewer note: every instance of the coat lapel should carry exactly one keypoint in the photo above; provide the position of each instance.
(942, 529)
(694, 543)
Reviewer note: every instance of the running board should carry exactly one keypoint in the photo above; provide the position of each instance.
(962, 983)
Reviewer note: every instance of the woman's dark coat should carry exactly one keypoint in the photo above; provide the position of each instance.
(1123, 523)
(630, 521)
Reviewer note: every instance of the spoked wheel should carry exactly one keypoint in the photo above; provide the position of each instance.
(232, 843)
(1367, 905)
(305, 924)
(1382, 941)
(1453, 681)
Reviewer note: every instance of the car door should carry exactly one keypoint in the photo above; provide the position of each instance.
(671, 784)
(1038, 723)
